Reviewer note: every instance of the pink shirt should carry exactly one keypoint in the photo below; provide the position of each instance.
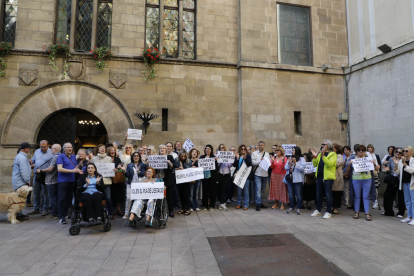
(279, 167)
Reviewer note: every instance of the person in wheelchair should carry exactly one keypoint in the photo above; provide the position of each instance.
(89, 191)
(140, 203)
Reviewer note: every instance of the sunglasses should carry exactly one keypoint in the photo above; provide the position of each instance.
(222, 147)
(360, 150)
(406, 151)
(243, 149)
(399, 152)
(323, 144)
(128, 147)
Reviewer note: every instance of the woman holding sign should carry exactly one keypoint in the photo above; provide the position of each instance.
(193, 156)
(277, 190)
(224, 179)
(406, 171)
(184, 188)
(167, 175)
(295, 179)
(209, 181)
(134, 171)
(242, 157)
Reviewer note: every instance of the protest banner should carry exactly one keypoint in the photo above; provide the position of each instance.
(158, 161)
(106, 169)
(147, 190)
(207, 164)
(265, 164)
(288, 149)
(188, 145)
(309, 168)
(134, 134)
(225, 157)
(242, 175)
(188, 175)
(363, 164)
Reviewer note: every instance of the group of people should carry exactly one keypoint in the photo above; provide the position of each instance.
(61, 178)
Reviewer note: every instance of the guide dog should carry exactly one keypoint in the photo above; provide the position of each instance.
(14, 202)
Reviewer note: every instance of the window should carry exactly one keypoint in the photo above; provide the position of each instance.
(165, 119)
(294, 35)
(83, 25)
(298, 122)
(8, 20)
(176, 24)
(64, 16)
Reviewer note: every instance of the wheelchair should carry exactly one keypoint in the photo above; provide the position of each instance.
(159, 219)
(78, 217)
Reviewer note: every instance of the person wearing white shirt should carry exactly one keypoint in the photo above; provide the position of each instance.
(260, 175)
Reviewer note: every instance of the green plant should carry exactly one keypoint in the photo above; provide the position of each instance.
(5, 48)
(101, 53)
(56, 49)
(151, 56)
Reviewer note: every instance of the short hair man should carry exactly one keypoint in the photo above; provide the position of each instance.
(260, 175)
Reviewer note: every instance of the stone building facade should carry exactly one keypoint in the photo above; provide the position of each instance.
(243, 84)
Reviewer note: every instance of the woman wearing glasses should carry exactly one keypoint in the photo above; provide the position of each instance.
(242, 157)
(406, 171)
(209, 182)
(224, 180)
(278, 190)
(392, 181)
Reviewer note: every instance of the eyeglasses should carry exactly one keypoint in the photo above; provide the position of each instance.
(243, 149)
(360, 150)
(323, 144)
(128, 147)
(405, 150)
(399, 152)
(222, 147)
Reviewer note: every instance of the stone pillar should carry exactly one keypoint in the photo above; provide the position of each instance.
(94, 23)
(72, 25)
(180, 29)
(161, 27)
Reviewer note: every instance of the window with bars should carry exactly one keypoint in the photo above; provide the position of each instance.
(175, 41)
(8, 22)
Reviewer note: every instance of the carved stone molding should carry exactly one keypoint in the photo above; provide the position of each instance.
(117, 80)
(28, 76)
(77, 68)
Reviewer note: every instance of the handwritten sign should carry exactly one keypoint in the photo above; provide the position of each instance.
(106, 169)
(134, 134)
(158, 161)
(309, 168)
(265, 164)
(242, 175)
(226, 157)
(288, 149)
(188, 175)
(363, 164)
(208, 164)
(188, 145)
(147, 190)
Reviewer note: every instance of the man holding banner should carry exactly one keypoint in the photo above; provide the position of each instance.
(243, 165)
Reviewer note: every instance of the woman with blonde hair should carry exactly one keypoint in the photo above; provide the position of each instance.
(224, 180)
(406, 171)
(166, 175)
(194, 187)
(278, 191)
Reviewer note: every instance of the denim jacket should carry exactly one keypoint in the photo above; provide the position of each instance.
(21, 171)
(129, 173)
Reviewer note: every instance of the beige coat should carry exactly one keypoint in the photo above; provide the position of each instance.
(338, 184)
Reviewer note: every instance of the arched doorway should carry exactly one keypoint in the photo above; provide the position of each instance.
(80, 127)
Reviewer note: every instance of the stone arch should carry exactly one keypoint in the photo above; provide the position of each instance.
(24, 122)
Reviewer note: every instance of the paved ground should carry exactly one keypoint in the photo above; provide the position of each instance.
(40, 246)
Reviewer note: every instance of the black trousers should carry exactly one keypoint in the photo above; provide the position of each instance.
(170, 204)
(209, 192)
(184, 192)
(337, 198)
(224, 181)
(93, 205)
(389, 196)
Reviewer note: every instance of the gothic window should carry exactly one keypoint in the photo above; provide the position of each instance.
(64, 16)
(83, 29)
(103, 30)
(8, 21)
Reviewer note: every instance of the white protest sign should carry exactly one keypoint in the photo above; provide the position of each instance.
(134, 134)
(188, 145)
(363, 164)
(288, 149)
(158, 161)
(242, 175)
(225, 157)
(265, 164)
(188, 175)
(309, 168)
(106, 169)
(147, 190)
(208, 164)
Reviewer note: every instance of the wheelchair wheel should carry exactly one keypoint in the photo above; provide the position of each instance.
(107, 226)
(162, 218)
(74, 219)
(74, 230)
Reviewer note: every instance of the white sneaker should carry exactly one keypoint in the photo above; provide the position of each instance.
(316, 213)
(375, 206)
(191, 209)
(197, 209)
(224, 205)
(327, 215)
(399, 216)
(221, 207)
(411, 223)
(407, 219)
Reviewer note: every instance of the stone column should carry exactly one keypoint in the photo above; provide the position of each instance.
(161, 27)
(94, 23)
(72, 25)
(180, 29)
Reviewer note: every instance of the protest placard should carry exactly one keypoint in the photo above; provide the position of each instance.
(363, 164)
(207, 164)
(147, 190)
(188, 175)
(158, 161)
(188, 145)
(309, 168)
(134, 134)
(288, 149)
(242, 175)
(265, 164)
(225, 157)
(106, 169)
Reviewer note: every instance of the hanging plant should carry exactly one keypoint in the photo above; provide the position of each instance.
(56, 49)
(5, 48)
(101, 53)
(150, 56)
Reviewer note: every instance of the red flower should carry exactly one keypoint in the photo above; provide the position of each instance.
(96, 56)
(148, 50)
(91, 51)
(58, 39)
(64, 42)
(69, 44)
(48, 51)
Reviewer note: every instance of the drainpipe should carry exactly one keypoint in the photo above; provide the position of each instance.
(239, 72)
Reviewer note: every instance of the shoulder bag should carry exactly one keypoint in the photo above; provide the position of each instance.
(41, 177)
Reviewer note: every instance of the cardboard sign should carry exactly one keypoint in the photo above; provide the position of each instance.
(147, 190)
(158, 161)
(309, 168)
(188, 145)
(363, 164)
(225, 157)
(288, 149)
(188, 175)
(106, 169)
(242, 175)
(208, 164)
(134, 134)
(265, 164)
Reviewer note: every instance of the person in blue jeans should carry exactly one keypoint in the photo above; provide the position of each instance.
(405, 172)
(260, 175)
(242, 157)
(296, 167)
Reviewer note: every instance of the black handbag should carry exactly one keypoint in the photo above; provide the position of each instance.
(41, 177)
(289, 176)
(389, 179)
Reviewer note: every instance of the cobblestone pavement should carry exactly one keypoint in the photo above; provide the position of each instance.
(43, 246)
